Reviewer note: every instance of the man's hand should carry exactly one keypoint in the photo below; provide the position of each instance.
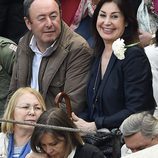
(145, 38)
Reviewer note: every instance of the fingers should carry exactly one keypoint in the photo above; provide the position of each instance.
(74, 117)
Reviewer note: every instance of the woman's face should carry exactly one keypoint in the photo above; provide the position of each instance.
(27, 109)
(110, 22)
(54, 147)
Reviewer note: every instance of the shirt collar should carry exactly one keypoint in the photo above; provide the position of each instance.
(34, 48)
(71, 155)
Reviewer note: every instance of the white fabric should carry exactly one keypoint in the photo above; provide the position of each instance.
(3, 145)
(150, 152)
(152, 54)
(72, 154)
(146, 21)
(37, 61)
(125, 151)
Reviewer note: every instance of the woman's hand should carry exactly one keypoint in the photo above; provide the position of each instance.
(83, 125)
(36, 155)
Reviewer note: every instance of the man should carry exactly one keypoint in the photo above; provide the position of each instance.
(140, 131)
(7, 54)
(50, 57)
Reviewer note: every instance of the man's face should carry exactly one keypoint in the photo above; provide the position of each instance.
(44, 21)
(138, 142)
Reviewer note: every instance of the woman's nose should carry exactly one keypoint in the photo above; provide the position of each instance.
(107, 21)
(49, 150)
(31, 110)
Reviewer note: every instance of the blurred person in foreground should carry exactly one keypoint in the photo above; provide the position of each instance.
(52, 143)
(139, 132)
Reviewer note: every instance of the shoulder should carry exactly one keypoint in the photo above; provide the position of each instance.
(89, 150)
(7, 46)
(135, 52)
(72, 40)
(25, 40)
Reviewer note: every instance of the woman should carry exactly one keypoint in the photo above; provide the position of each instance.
(121, 81)
(48, 142)
(25, 105)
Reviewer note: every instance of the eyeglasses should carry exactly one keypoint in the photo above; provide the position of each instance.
(28, 107)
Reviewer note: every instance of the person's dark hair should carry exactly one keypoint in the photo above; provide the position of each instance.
(27, 5)
(130, 34)
(55, 117)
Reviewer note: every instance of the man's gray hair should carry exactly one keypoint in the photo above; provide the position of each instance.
(143, 122)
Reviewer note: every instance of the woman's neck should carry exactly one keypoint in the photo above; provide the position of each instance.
(21, 137)
(107, 51)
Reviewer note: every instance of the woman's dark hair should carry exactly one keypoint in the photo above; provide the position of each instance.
(55, 117)
(130, 34)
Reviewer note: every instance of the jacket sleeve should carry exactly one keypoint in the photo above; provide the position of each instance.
(77, 74)
(7, 55)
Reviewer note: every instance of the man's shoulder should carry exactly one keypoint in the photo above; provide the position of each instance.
(72, 38)
(7, 45)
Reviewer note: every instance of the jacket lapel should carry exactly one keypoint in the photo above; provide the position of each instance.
(107, 73)
(52, 66)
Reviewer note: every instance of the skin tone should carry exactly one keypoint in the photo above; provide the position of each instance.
(138, 142)
(28, 109)
(54, 147)
(110, 26)
(44, 22)
(145, 38)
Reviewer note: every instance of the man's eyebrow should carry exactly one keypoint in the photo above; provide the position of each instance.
(54, 12)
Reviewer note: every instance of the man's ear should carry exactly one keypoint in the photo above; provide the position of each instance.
(28, 23)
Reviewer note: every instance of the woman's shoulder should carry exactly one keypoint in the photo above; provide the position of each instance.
(135, 51)
(88, 150)
(136, 48)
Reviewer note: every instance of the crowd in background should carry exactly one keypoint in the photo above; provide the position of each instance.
(102, 53)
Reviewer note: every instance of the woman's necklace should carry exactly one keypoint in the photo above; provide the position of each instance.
(96, 78)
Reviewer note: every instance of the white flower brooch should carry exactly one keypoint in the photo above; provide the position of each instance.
(119, 49)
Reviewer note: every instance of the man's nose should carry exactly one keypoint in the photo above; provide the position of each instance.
(49, 22)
